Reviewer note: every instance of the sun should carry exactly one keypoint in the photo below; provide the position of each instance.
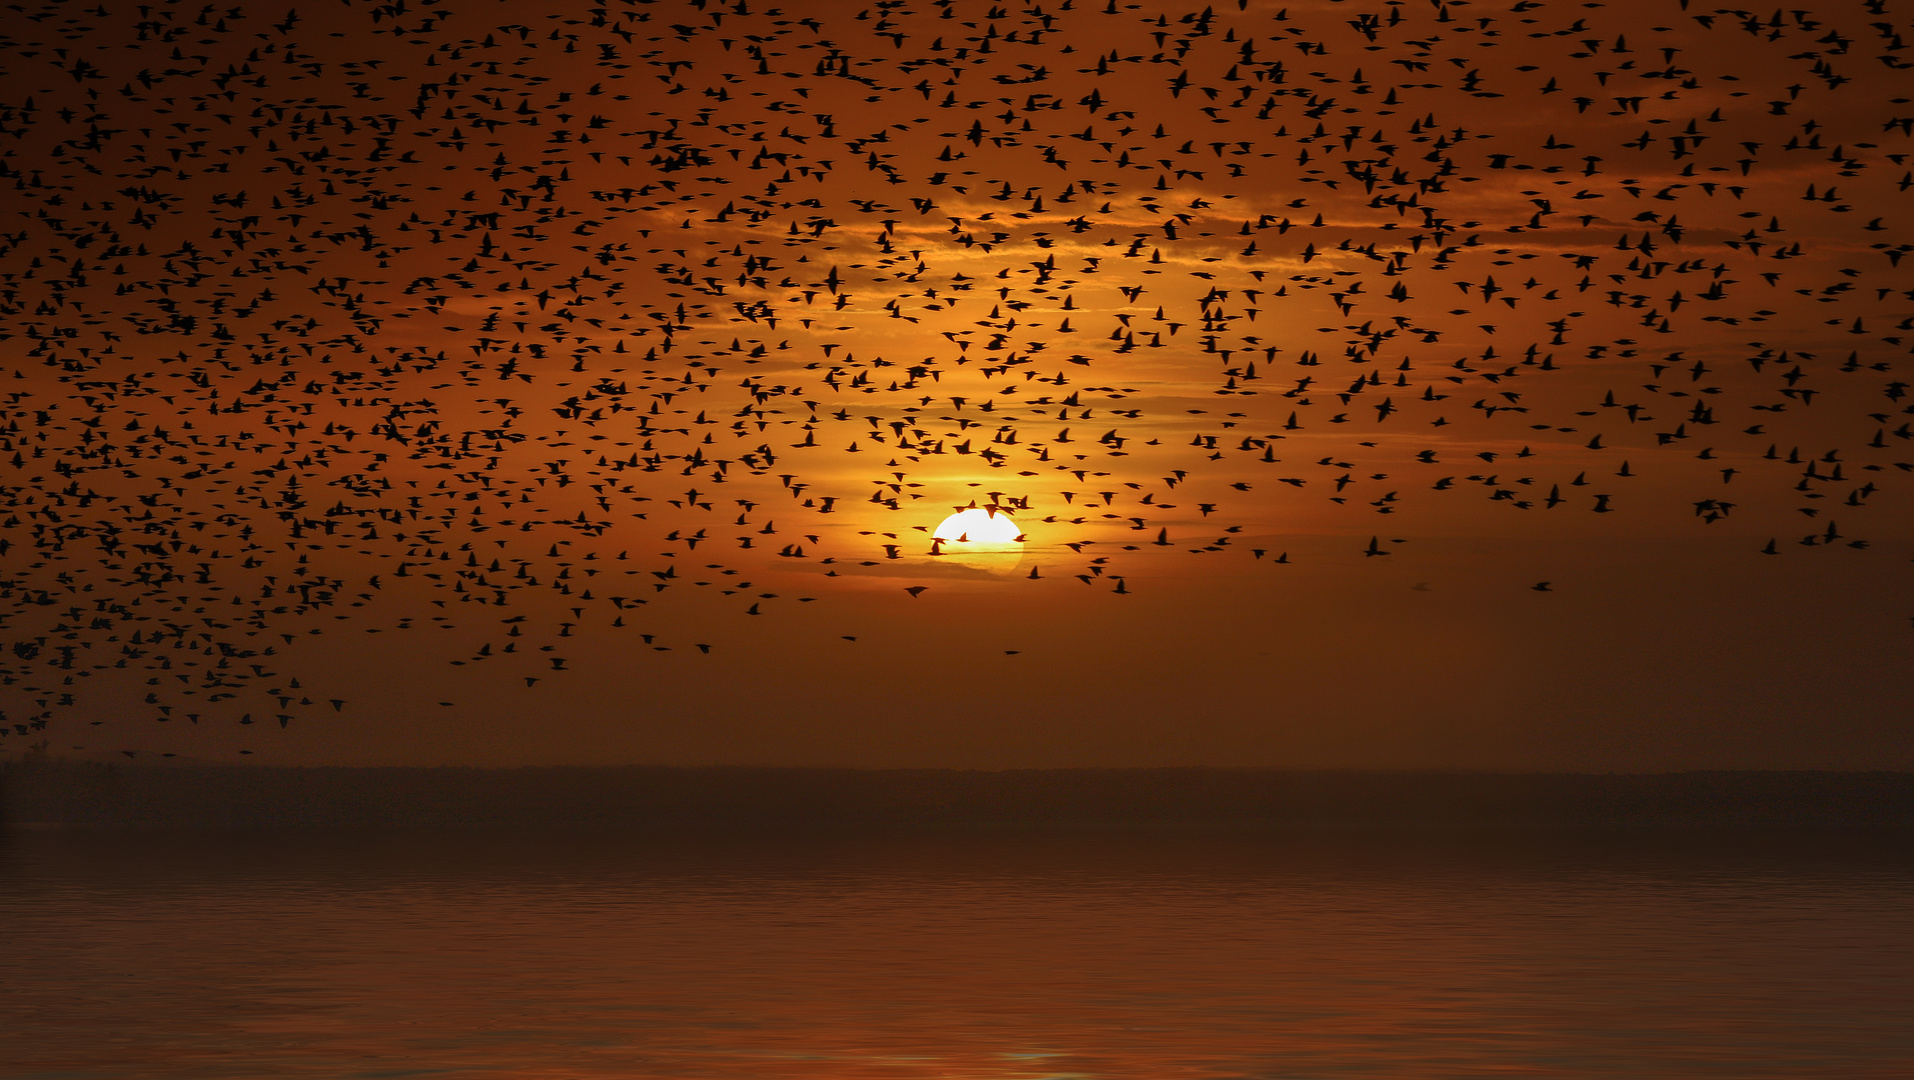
(980, 525)
(979, 537)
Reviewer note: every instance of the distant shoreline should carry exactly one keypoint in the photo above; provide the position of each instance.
(88, 794)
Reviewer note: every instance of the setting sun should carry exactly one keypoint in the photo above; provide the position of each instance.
(980, 537)
(979, 525)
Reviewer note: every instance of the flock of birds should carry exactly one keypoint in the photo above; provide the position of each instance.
(396, 315)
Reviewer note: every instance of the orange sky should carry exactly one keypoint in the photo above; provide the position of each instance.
(601, 371)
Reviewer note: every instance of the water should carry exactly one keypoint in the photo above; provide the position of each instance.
(588, 955)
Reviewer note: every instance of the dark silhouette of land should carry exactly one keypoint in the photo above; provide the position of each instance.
(101, 794)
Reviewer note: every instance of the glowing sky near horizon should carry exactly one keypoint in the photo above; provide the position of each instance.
(1372, 383)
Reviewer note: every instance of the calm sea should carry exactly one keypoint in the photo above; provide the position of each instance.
(548, 956)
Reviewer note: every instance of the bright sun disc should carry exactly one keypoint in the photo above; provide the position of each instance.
(979, 526)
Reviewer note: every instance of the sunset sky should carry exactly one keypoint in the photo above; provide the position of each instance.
(1374, 384)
